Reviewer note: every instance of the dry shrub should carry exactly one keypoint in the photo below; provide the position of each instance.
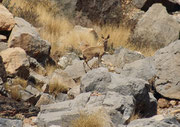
(95, 119)
(14, 89)
(71, 41)
(20, 81)
(57, 86)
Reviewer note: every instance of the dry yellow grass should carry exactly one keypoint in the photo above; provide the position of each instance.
(119, 36)
(57, 86)
(14, 88)
(96, 119)
(55, 27)
(50, 69)
(20, 81)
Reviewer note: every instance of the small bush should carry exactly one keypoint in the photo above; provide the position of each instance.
(57, 86)
(14, 88)
(20, 81)
(96, 119)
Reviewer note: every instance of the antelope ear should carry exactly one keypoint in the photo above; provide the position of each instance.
(108, 36)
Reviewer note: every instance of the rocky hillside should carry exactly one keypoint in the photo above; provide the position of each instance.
(93, 86)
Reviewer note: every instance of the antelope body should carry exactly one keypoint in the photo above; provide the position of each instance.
(97, 51)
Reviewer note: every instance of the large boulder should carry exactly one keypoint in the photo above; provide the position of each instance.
(156, 31)
(168, 70)
(7, 21)
(2, 70)
(144, 69)
(16, 62)
(24, 35)
(104, 11)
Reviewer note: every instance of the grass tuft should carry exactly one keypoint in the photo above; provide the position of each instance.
(57, 86)
(96, 119)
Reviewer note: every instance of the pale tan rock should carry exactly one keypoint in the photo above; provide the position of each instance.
(3, 38)
(163, 103)
(7, 21)
(173, 102)
(45, 99)
(15, 61)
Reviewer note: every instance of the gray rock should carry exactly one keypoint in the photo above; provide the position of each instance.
(104, 11)
(76, 70)
(32, 90)
(35, 65)
(120, 99)
(113, 103)
(168, 70)
(139, 3)
(25, 95)
(37, 79)
(24, 35)
(122, 56)
(3, 46)
(144, 69)
(155, 121)
(72, 93)
(123, 104)
(67, 6)
(61, 97)
(10, 123)
(67, 59)
(102, 81)
(164, 28)
(2, 70)
(97, 79)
